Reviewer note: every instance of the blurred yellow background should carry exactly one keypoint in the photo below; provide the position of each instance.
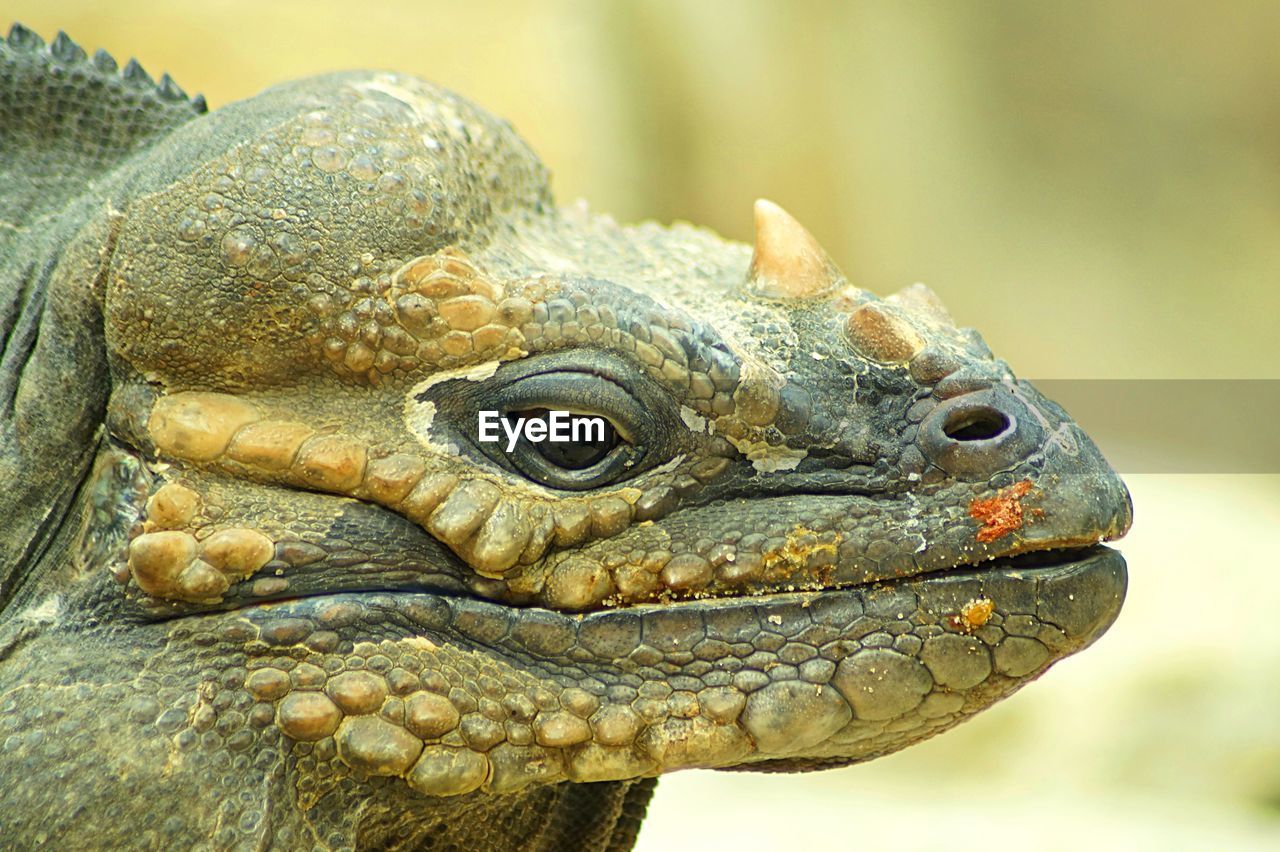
(1094, 185)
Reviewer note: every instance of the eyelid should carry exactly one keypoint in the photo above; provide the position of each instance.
(599, 371)
(623, 432)
(527, 393)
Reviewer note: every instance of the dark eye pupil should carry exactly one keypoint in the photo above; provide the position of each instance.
(596, 438)
(574, 456)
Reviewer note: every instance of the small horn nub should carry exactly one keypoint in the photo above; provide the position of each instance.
(922, 300)
(877, 331)
(788, 263)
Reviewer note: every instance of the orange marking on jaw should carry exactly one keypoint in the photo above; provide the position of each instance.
(973, 615)
(1001, 514)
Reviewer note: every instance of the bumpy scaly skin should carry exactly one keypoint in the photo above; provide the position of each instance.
(293, 603)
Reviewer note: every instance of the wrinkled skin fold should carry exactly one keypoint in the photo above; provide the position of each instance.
(263, 587)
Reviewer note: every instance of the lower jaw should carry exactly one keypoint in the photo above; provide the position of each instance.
(788, 681)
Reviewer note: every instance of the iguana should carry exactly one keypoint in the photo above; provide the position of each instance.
(263, 587)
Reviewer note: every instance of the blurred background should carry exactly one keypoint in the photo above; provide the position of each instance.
(1094, 185)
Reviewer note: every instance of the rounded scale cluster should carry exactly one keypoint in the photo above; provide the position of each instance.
(169, 562)
(448, 729)
(676, 566)
(436, 311)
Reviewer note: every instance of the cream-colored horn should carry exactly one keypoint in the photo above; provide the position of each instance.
(788, 263)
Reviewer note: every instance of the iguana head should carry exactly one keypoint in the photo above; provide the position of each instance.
(785, 537)
(819, 526)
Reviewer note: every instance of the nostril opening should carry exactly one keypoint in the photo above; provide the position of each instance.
(974, 435)
(976, 424)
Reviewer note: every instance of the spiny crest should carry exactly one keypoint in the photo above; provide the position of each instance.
(65, 52)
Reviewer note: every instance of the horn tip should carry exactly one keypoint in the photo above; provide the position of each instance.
(788, 263)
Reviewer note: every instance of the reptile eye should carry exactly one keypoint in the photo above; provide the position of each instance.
(568, 430)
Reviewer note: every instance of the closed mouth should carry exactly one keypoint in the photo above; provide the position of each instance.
(1030, 566)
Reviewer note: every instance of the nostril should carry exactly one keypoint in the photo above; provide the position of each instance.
(976, 424)
(976, 434)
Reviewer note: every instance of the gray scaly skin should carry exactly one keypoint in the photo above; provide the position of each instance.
(263, 588)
